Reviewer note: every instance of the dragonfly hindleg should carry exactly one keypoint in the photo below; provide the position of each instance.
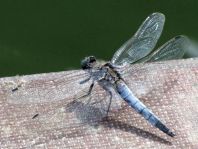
(108, 90)
(110, 100)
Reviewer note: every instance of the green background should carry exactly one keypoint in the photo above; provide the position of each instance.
(47, 36)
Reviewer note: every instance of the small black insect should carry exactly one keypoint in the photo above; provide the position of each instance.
(16, 88)
(36, 115)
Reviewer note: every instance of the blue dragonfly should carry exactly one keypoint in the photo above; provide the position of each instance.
(109, 77)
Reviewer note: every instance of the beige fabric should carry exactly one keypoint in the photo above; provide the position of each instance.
(169, 88)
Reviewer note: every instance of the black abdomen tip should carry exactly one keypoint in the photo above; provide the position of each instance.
(163, 128)
(171, 134)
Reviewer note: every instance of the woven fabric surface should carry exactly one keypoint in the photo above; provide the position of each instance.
(169, 89)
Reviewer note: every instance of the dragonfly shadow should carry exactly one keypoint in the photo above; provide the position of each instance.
(86, 114)
(94, 117)
(115, 124)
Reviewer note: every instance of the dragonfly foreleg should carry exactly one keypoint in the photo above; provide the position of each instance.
(84, 81)
(89, 91)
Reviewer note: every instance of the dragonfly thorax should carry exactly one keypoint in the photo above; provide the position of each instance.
(99, 71)
(105, 73)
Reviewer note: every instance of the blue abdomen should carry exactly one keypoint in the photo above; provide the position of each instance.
(135, 103)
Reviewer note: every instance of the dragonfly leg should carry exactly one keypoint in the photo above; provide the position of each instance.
(110, 100)
(109, 105)
(89, 92)
(84, 81)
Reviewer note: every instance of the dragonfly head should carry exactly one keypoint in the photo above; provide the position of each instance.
(88, 62)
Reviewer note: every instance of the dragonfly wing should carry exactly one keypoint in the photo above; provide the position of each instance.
(45, 88)
(86, 111)
(142, 43)
(173, 49)
(99, 99)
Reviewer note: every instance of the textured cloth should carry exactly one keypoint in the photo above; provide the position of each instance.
(169, 89)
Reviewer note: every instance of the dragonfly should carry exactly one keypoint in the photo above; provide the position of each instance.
(109, 77)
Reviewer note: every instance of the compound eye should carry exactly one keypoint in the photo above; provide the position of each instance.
(92, 59)
(88, 62)
(84, 64)
(84, 67)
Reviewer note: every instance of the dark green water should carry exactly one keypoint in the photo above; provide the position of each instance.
(44, 36)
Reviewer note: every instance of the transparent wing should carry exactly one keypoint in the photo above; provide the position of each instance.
(173, 49)
(43, 88)
(80, 112)
(142, 43)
